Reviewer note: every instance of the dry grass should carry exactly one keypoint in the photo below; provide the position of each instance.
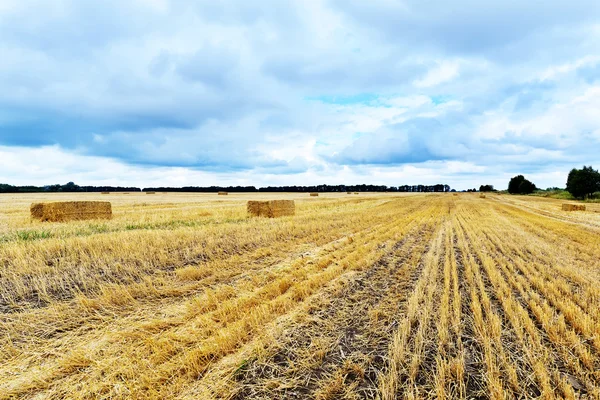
(380, 296)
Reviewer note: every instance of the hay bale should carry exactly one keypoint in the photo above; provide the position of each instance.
(71, 211)
(573, 207)
(150, 192)
(222, 193)
(314, 194)
(271, 208)
(355, 192)
(454, 194)
(482, 196)
(105, 192)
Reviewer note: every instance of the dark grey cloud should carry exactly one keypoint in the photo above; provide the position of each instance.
(415, 141)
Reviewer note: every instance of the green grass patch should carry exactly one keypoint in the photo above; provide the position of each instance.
(31, 235)
(554, 194)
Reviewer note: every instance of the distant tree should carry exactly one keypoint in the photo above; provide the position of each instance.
(583, 182)
(486, 188)
(520, 185)
(70, 187)
(527, 187)
(513, 185)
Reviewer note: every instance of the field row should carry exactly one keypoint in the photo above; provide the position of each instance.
(431, 296)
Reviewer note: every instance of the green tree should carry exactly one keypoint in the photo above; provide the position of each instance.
(70, 187)
(520, 185)
(526, 187)
(583, 182)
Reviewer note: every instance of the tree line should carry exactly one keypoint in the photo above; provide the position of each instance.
(72, 187)
(317, 188)
(68, 187)
(581, 183)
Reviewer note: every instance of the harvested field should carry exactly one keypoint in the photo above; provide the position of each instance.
(381, 296)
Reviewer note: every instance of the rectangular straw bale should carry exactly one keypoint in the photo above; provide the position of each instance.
(355, 192)
(222, 193)
(71, 211)
(105, 192)
(482, 196)
(150, 192)
(314, 194)
(271, 208)
(573, 207)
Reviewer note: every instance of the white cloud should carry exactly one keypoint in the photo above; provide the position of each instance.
(445, 71)
(555, 71)
(168, 88)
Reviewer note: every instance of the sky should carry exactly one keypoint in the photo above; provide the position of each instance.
(298, 92)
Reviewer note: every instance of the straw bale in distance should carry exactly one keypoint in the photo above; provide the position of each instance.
(482, 196)
(222, 193)
(71, 211)
(573, 207)
(355, 192)
(105, 192)
(454, 194)
(150, 192)
(314, 194)
(271, 208)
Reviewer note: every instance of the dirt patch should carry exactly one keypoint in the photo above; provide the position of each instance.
(340, 348)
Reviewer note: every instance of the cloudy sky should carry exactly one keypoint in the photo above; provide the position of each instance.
(272, 92)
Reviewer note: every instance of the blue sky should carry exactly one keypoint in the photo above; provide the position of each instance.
(171, 92)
